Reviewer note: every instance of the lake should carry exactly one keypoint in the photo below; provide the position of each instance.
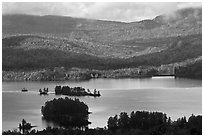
(175, 97)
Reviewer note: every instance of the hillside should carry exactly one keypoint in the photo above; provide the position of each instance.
(36, 42)
(16, 56)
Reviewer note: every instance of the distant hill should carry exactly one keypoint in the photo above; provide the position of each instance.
(32, 42)
(188, 18)
(29, 24)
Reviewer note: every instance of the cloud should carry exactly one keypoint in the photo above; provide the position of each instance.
(189, 4)
(117, 11)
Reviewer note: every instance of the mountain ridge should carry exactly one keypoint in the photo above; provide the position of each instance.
(84, 24)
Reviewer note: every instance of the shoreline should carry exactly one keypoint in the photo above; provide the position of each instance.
(81, 80)
(81, 74)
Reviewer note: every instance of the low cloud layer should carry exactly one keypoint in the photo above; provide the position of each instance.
(117, 11)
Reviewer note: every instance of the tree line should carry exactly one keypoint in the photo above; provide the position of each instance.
(144, 122)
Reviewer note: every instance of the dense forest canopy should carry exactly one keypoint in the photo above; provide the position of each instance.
(66, 112)
(15, 58)
(190, 71)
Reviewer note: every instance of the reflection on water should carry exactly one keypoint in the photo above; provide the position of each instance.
(46, 123)
(176, 97)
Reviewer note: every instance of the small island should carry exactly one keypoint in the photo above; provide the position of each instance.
(66, 112)
(76, 91)
(44, 92)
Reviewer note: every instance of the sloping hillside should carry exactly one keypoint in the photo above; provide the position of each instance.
(16, 56)
(32, 42)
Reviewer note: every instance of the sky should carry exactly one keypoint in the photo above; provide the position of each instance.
(115, 11)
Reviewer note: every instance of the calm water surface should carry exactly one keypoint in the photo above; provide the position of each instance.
(175, 97)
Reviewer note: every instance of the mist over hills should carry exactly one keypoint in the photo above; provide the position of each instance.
(41, 41)
(22, 24)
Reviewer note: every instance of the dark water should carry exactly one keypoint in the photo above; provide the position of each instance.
(175, 97)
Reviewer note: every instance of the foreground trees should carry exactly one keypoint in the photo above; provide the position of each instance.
(137, 123)
(144, 122)
(140, 120)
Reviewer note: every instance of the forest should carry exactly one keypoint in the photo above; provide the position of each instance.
(190, 71)
(15, 58)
